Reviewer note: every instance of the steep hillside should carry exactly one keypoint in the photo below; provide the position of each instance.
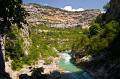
(55, 17)
(105, 62)
(108, 64)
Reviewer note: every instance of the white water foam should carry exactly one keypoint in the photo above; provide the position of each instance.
(66, 57)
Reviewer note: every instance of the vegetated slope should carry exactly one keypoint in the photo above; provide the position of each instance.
(38, 41)
(42, 43)
(55, 17)
(105, 61)
(108, 66)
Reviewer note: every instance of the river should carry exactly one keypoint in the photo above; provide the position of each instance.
(71, 71)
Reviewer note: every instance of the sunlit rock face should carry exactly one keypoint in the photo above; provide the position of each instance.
(55, 17)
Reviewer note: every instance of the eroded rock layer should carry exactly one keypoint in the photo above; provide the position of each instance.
(55, 17)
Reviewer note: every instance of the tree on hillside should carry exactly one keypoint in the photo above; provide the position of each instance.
(94, 29)
(11, 12)
(106, 7)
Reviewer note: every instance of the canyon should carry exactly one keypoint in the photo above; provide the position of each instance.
(38, 41)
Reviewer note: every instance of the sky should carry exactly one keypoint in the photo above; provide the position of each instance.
(73, 5)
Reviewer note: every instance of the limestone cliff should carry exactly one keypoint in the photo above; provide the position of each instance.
(55, 17)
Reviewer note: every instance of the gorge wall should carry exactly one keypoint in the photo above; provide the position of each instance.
(106, 64)
(55, 17)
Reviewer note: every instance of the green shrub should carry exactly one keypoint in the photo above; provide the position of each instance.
(97, 38)
(95, 29)
(17, 64)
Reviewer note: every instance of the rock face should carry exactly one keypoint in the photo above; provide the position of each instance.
(55, 17)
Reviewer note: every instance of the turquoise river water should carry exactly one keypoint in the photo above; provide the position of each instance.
(71, 71)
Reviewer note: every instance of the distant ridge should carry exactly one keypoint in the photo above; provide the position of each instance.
(56, 17)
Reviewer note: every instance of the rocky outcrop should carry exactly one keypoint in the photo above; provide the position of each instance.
(26, 38)
(55, 17)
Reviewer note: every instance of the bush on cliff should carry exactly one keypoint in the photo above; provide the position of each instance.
(98, 37)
